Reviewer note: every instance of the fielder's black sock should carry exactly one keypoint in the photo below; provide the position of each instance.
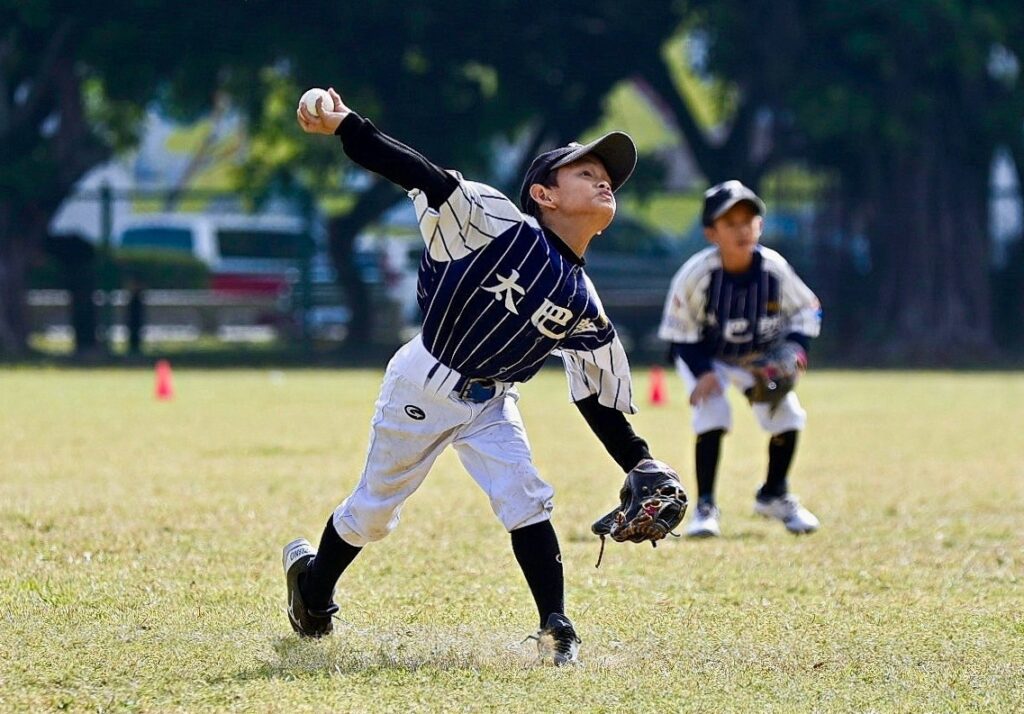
(709, 445)
(781, 448)
(536, 549)
(332, 557)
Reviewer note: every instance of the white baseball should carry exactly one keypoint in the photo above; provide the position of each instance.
(310, 97)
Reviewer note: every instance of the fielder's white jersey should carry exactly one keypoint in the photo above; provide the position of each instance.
(737, 315)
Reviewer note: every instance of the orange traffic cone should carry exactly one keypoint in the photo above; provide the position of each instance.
(164, 381)
(659, 392)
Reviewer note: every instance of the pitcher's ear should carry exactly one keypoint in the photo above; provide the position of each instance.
(541, 195)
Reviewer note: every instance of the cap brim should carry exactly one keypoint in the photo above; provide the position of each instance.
(616, 151)
(751, 198)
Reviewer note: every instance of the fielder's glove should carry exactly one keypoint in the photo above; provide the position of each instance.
(652, 503)
(775, 373)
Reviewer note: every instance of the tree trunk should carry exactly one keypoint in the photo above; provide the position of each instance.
(59, 161)
(930, 243)
(14, 251)
(343, 231)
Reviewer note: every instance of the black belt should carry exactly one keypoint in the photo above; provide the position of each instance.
(475, 389)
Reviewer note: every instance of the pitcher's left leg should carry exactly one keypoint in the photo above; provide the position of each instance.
(496, 452)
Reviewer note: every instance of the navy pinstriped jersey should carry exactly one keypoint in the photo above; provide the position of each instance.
(500, 294)
(736, 316)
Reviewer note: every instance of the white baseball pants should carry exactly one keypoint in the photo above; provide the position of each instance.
(714, 413)
(416, 418)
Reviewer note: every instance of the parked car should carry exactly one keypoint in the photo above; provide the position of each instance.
(245, 253)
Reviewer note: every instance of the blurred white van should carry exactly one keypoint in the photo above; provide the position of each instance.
(245, 253)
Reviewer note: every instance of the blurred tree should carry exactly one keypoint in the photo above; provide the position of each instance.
(483, 99)
(906, 102)
(75, 79)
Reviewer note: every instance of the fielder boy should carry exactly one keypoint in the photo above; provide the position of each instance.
(499, 292)
(730, 310)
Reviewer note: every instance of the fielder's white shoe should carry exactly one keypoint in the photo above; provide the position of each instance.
(704, 523)
(787, 509)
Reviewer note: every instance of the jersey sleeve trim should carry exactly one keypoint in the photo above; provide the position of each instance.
(469, 219)
(602, 372)
(686, 303)
(799, 305)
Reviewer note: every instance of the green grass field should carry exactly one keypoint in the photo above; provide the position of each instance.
(140, 556)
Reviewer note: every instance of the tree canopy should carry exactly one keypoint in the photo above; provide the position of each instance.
(904, 103)
(75, 80)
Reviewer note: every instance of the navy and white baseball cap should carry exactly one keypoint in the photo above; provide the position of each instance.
(616, 151)
(719, 199)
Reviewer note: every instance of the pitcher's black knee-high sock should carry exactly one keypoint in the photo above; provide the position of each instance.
(781, 448)
(332, 557)
(536, 549)
(708, 447)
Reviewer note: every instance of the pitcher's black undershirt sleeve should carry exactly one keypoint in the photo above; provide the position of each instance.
(375, 151)
(615, 432)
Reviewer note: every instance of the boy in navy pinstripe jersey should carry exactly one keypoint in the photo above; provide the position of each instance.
(501, 288)
(728, 305)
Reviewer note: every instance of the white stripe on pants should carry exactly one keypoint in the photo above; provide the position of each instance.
(714, 413)
(489, 438)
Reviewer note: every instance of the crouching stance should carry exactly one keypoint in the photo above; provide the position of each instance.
(737, 313)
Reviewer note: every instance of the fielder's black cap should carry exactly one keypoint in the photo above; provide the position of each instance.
(719, 199)
(615, 150)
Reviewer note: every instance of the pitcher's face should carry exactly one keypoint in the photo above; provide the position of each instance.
(584, 190)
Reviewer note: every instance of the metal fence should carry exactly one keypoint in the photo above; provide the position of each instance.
(809, 224)
(303, 302)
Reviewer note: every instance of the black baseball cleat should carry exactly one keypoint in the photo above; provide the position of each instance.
(558, 640)
(306, 621)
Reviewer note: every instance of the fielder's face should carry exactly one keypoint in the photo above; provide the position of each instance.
(736, 233)
(584, 192)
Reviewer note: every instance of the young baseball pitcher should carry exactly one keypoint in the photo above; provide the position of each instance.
(738, 313)
(501, 288)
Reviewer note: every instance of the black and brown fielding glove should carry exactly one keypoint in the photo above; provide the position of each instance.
(775, 373)
(652, 503)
